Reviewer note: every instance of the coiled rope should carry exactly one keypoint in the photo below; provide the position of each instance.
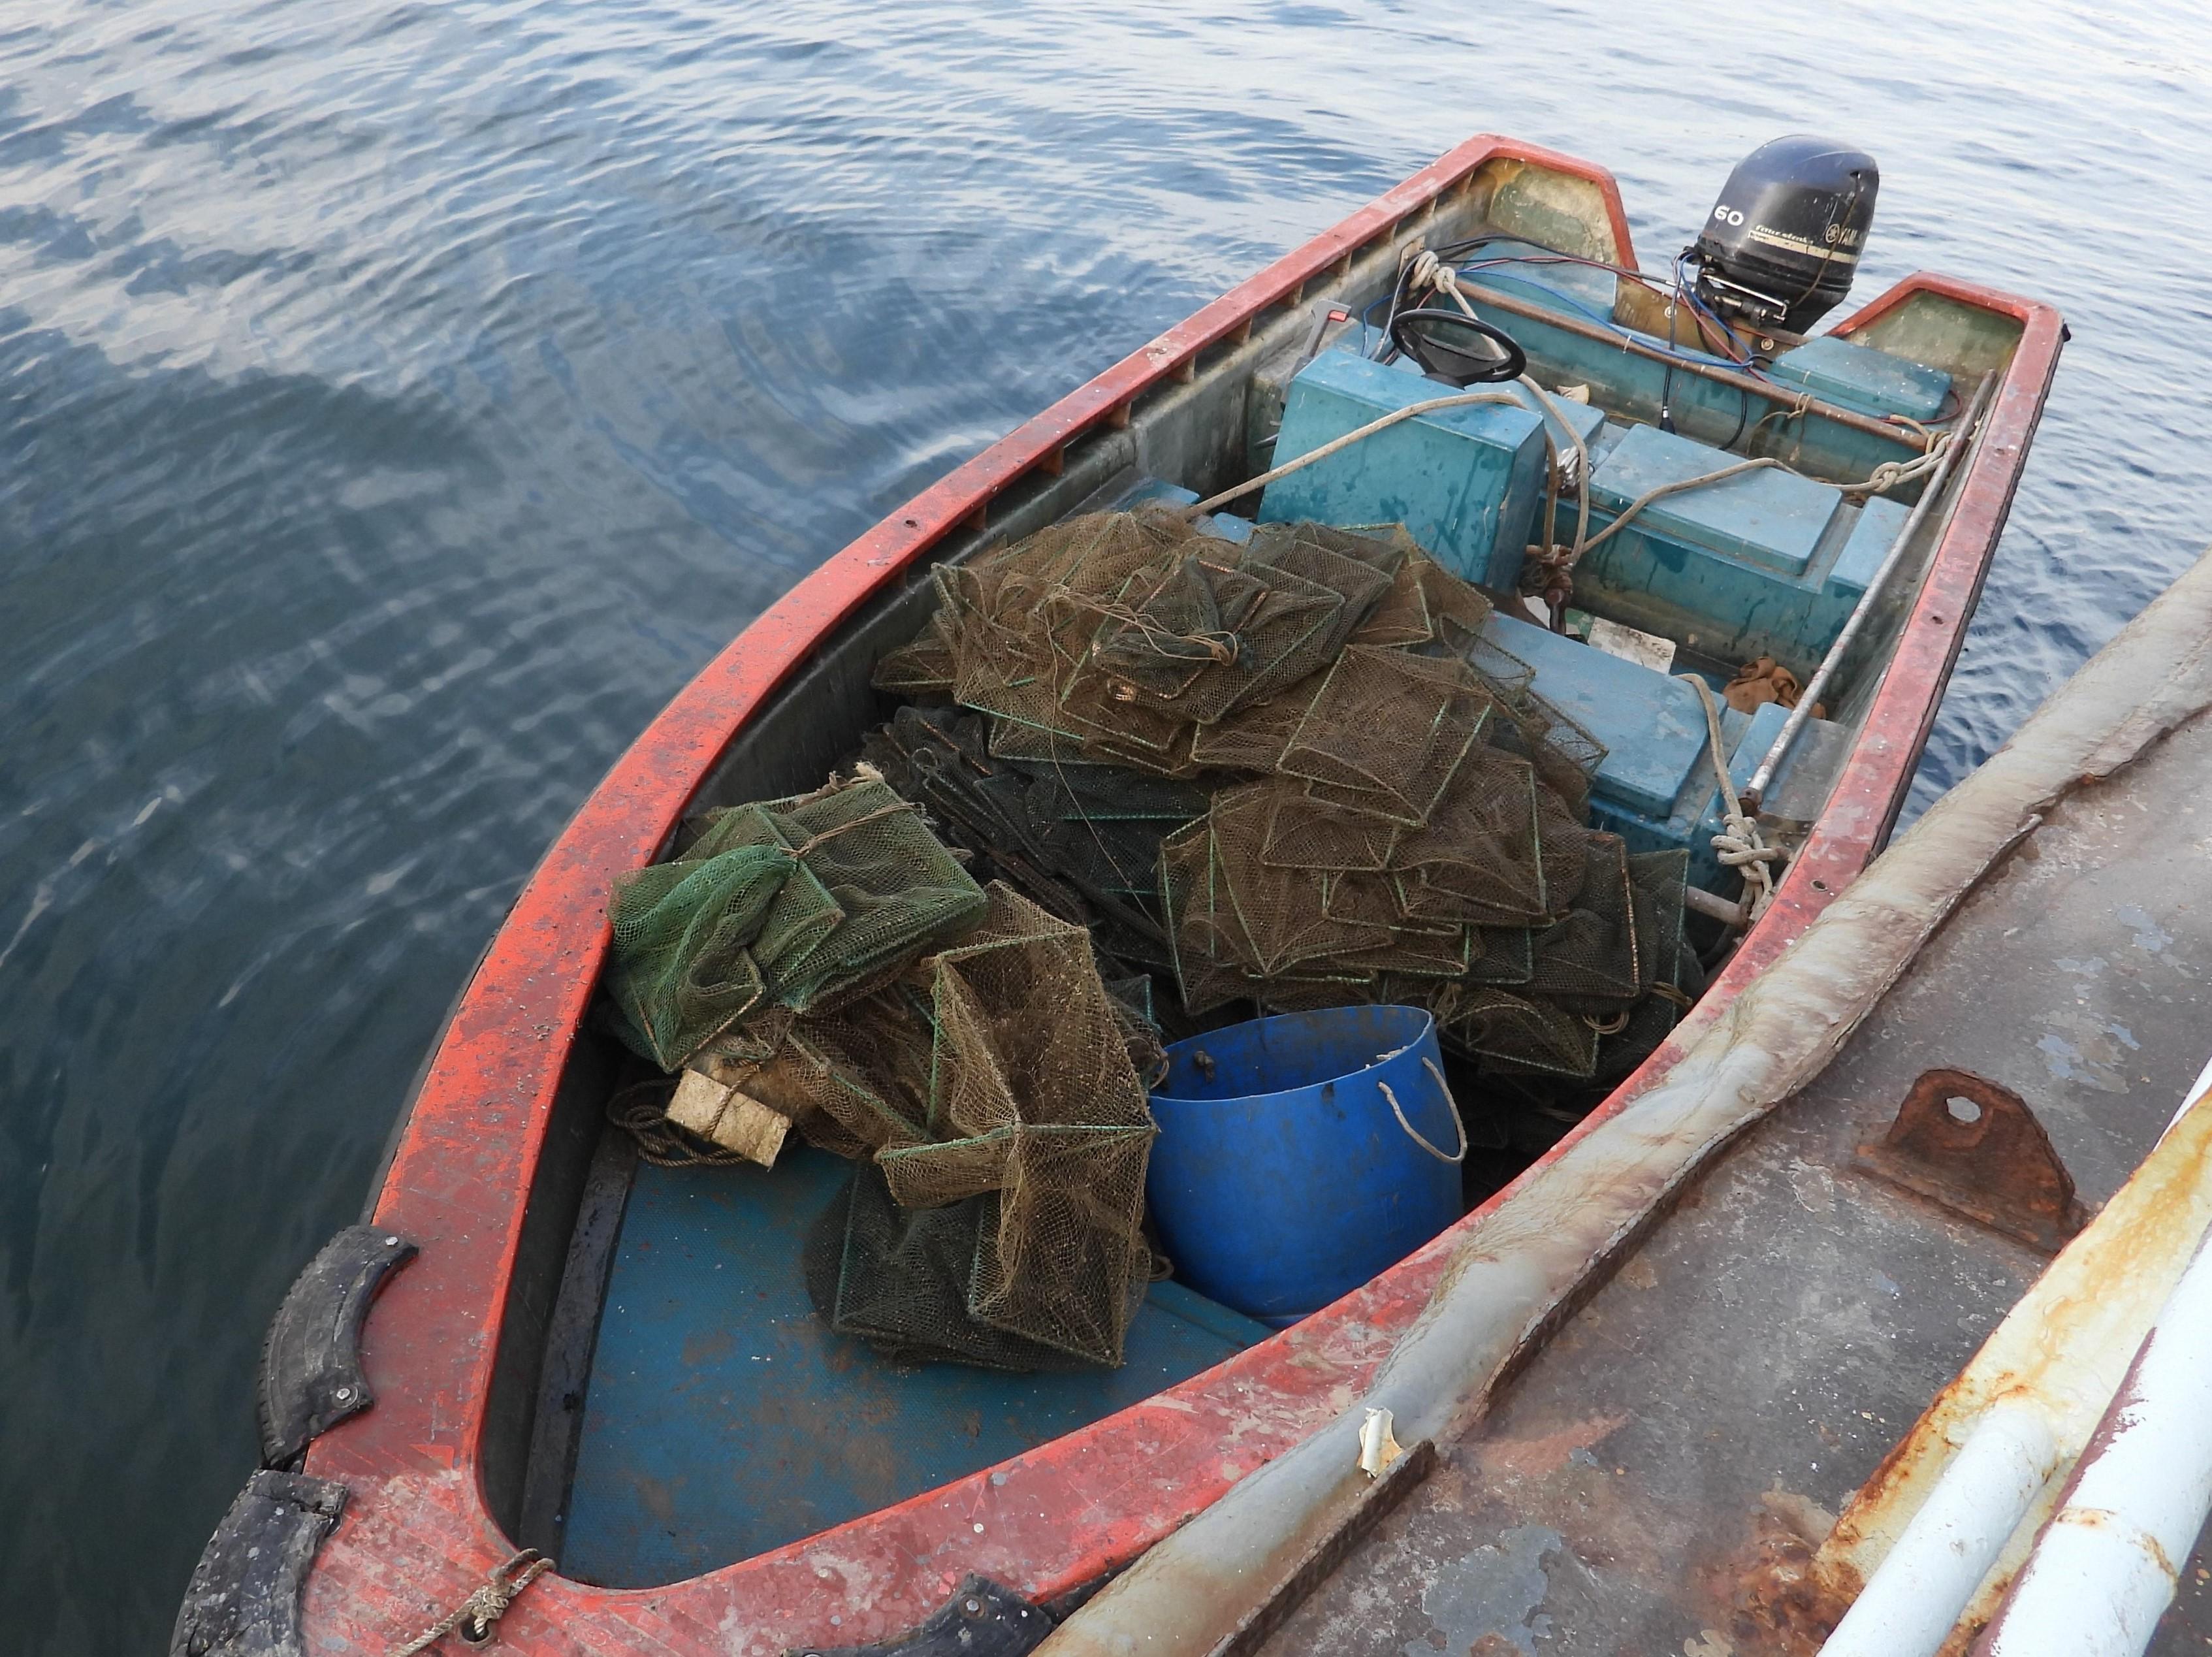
(659, 1141)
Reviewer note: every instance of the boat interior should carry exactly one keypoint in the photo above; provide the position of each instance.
(667, 1401)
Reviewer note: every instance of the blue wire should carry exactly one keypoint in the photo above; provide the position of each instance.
(1689, 291)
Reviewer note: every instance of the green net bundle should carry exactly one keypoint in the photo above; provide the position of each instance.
(830, 959)
(788, 904)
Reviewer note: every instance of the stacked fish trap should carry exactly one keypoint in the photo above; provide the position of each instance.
(1292, 773)
(1390, 811)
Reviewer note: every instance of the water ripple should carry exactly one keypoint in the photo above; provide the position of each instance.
(399, 403)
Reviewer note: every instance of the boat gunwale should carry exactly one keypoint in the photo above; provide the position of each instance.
(419, 1528)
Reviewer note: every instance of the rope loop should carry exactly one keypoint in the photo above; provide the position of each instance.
(1413, 1133)
(1218, 646)
(1891, 473)
(474, 1617)
(1740, 847)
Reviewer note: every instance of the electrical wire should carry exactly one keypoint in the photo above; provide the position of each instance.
(1740, 365)
(1451, 251)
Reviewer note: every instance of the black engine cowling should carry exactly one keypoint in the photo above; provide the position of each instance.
(1783, 243)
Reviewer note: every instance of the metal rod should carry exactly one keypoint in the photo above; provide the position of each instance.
(1727, 912)
(1489, 299)
(1968, 430)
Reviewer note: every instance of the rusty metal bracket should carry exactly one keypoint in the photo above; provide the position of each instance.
(1961, 1140)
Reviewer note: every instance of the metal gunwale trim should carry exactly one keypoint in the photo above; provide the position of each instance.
(462, 1175)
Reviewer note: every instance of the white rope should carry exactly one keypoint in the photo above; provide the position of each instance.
(1459, 400)
(1888, 475)
(1582, 473)
(1430, 271)
(1740, 847)
(1450, 1104)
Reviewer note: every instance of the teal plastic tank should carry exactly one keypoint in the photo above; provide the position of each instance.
(1467, 482)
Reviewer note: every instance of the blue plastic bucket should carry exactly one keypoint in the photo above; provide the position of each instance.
(1283, 1177)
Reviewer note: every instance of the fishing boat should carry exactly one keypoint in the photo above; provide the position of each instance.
(539, 1346)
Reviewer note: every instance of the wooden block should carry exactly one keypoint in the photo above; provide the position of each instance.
(734, 1120)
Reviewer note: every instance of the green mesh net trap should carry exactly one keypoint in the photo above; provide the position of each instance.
(1029, 1159)
(793, 904)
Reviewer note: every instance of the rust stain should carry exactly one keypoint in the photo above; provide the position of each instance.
(2065, 1349)
(1962, 1140)
(2133, 1536)
(1778, 1604)
(1531, 1459)
(1918, 1455)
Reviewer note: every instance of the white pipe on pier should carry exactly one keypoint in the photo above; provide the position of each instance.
(1912, 1601)
(2106, 1566)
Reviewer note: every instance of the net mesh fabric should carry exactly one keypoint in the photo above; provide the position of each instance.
(1296, 772)
(784, 954)
(1034, 1103)
(1385, 734)
(682, 967)
(790, 903)
(1081, 840)
(994, 1094)
(854, 1083)
(898, 1278)
(1356, 786)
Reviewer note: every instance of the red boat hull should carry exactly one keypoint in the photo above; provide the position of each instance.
(418, 1535)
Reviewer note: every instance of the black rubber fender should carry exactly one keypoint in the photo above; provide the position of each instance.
(243, 1596)
(982, 1618)
(310, 1376)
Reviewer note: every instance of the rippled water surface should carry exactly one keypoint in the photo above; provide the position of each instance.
(399, 401)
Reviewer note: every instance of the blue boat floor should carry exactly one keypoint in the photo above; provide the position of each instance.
(725, 1418)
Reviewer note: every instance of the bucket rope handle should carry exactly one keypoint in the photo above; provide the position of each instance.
(1412, 1132)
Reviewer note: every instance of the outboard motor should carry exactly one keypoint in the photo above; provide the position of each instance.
(1783, 241)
